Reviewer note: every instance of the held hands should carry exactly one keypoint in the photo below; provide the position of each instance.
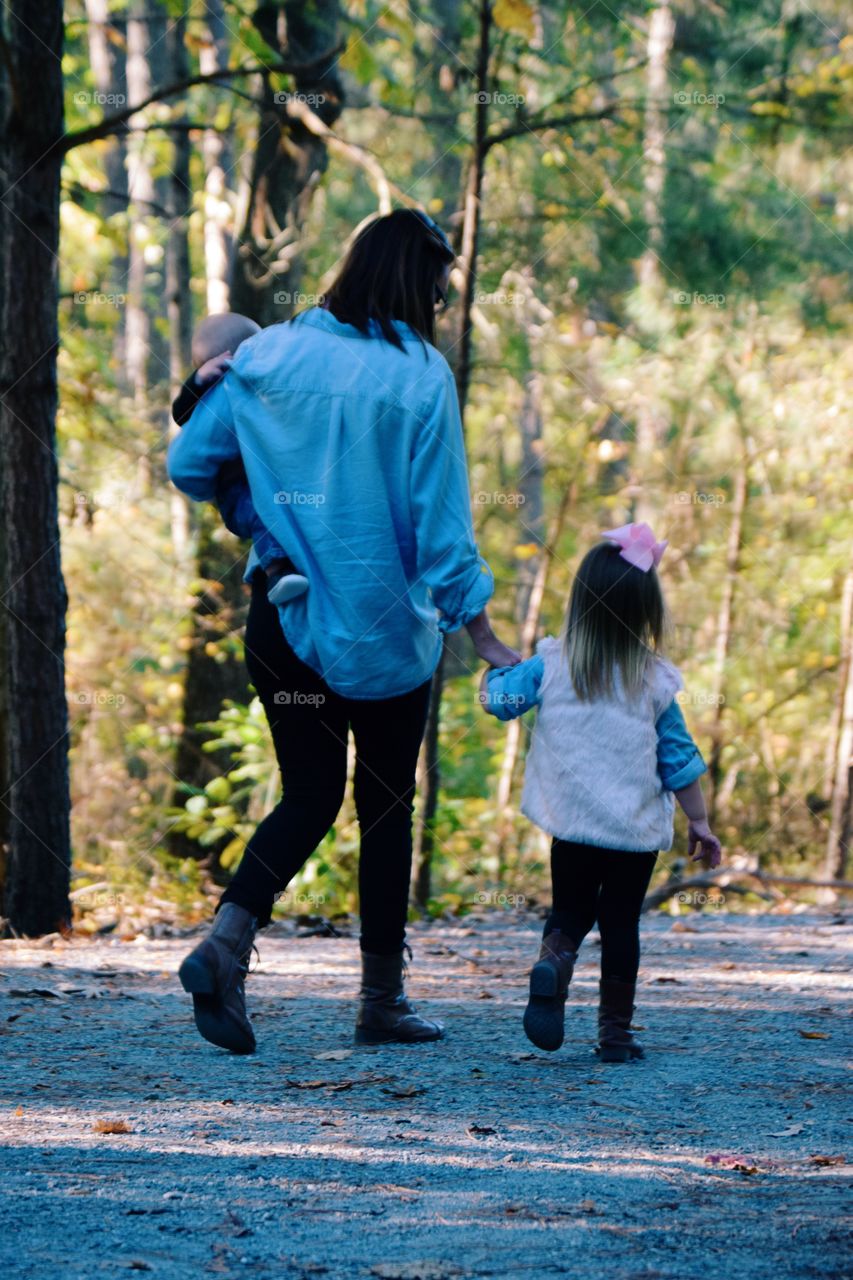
(701, 838)
(212, 370)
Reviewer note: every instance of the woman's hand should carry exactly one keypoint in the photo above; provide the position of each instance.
(488, 646)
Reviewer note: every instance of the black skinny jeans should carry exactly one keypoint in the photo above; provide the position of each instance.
(309, 725)
(607, 885)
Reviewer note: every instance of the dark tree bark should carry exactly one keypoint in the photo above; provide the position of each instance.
(34, 813)
(289, 159)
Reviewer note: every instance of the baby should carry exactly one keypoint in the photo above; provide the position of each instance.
(214, 342)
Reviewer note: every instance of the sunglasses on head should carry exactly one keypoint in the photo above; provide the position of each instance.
(434, 229)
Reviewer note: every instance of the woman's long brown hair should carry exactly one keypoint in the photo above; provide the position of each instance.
(392, 272)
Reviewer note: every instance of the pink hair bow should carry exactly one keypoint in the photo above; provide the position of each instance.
(637, 545)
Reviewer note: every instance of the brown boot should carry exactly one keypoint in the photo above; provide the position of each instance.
(616, 1006)
(549, 987)
(384, 1014)
(214, 974)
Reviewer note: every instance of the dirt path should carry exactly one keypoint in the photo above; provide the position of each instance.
(720, 1156)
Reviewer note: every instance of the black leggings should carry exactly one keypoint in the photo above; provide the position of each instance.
(607, 885)
(309, 725)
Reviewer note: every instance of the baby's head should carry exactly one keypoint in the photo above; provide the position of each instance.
(219, 333)
(617, 616)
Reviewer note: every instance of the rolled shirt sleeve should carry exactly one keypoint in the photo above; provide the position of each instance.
(510, 691)
(460, 581)
(679, 759)
(207, 442)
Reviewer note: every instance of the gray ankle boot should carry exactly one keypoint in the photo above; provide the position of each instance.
(616, 1007)
(384, 1014)
(214, 974)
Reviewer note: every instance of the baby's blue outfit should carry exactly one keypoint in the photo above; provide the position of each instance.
(356, 464)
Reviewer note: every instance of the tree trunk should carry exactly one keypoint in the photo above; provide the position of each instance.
(651, 417)
(530, 626)
(467, 263)
(34, 815)
(289, 160)
(107, 60)
(145, 353)
(178, 273)
(841, 805)
(216, 152)
(724, 628)
(531, 506)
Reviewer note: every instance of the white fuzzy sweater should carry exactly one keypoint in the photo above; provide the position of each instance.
(592, 772)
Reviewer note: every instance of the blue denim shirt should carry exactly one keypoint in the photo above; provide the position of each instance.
(356, 464)
(510, 691)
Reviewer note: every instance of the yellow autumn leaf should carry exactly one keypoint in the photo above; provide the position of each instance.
(514, 15)
(526, 550)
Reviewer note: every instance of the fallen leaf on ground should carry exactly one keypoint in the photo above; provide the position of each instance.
(480, 1130)
(738, 1164)
(338, 1085)
(405, 1091)
(334, 1055)
(112, 1126)
(814, 1035)
(823, 1161)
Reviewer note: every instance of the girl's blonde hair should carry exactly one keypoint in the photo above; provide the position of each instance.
(616, 619)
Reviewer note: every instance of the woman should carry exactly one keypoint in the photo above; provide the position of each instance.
(348, 425)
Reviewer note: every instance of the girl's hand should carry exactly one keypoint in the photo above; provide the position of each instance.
(709, 849)
(213, 369)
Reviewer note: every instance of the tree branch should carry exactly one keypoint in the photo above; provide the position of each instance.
(555, 122)
(116, 122)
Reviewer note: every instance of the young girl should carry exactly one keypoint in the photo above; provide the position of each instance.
(610, 749)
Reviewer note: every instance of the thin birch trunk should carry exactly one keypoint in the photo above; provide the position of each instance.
(218, 163)
(841, 805)
(651, 418)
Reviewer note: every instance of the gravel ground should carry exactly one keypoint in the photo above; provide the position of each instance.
(721, 1155)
